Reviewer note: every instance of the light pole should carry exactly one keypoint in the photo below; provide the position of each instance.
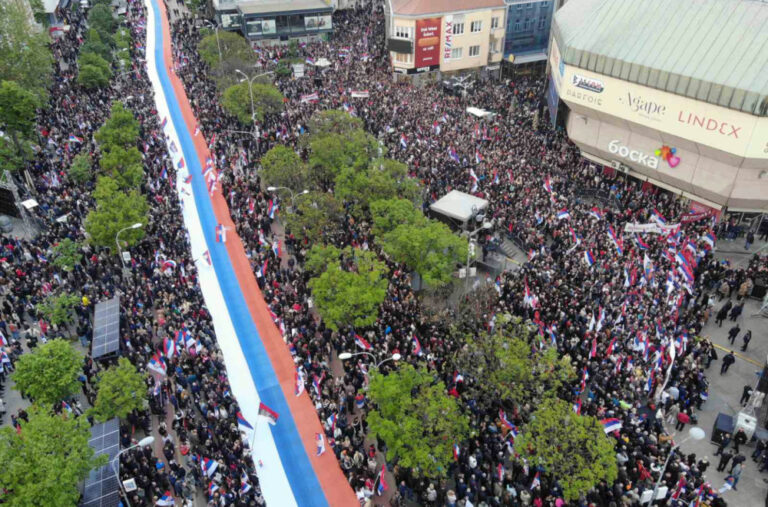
(293, 196)
(347, 355)
(215, 27)
(484, 226)
(694, 433)
(144, 441)
(250, 88)
(117, 240)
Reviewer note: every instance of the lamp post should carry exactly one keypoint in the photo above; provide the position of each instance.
(694, 433)
(347, 355)
(293, 196)
(117, 240)
(250, 88)
(144, 441)
(215, 27)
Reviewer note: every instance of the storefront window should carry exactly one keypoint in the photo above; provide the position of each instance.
(268, 26)
(296, 22)
(253, 27)
(310, 23)
(324, 22)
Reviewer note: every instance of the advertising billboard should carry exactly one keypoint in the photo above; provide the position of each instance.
(427, 42)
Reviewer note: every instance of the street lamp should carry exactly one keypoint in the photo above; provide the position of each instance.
(293, 196)
(218, 43)
(348, 355)
(694, 433)
(250, 88)
(143, 442)
(117, 239)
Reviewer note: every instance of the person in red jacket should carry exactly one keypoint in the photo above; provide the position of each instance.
(682, 420)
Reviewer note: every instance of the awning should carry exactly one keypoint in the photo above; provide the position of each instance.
(530, 57)
(459, 206)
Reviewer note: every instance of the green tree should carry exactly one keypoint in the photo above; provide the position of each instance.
(92, 77)
(25, 55)
(49, 373)
(115, 210)
(383, 179)
(121, 389)
(67, 254)
(95, 45)
(17, 112)
(502, 367)
(10, 157)
(316, 215)
(100, 19)
(58, 309)
(233, 48)
(125, 166)
(80, 168)
(282, 167)
(267, 99)
(333, 121)
(430, 249)
(572, 448)
(417, 419)
(350, 291)
(121, 129)
(388, 214)
(333, 152)
(44, 464)
(320, 257)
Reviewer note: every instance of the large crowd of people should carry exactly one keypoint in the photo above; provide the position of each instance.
(196, 413)
(641, 299)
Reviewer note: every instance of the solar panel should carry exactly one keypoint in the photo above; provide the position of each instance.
(101, 487)
(106, 328)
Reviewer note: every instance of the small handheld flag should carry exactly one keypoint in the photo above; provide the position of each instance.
(267, 412)
(242, 422)
(320, 441)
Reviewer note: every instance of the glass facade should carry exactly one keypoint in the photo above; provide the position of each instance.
(528, 25)
(291, 25)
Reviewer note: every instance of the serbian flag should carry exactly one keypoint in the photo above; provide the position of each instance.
(75, 139)
(383, 486)
(588, 258)
(320, 441)
(478, 157)
(209, 466)
(188, 179)
(416, 346)
(299, 378)
(658, 217)
(456, 452)
(164, 123)
(169, 264)
(360, 342)
(577, 406)
(197, 130)
(267, 412)
(360, 400)
(403, 141)
(504, 421)
(310, 61)
(272, 209)
(169, 347)
(276, 249)
(157, 364)
(212, 488)
(241, 421)
(593, 350)
(536, 481)
(616, 241)
(452, 153)
(641, 244)
(547, 185)
(332, 423)
(180, 165)
(207, 256)
(221, 234)
(164, 174)
(500, 472)
(610, 425)
(166, 499)
(595, 212)
(710, 239)
(563, 214)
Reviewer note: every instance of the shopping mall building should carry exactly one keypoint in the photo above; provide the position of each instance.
(672, 92)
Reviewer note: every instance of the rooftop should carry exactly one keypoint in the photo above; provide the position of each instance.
(268, 6)
(419, 7)
(714, 51)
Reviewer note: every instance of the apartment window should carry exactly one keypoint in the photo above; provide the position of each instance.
(456, 53)
(474, 50)
(458, 28)
(517, 25)
(529, 23)
(519, 7)
(404, 32)
(403, 58)
(542, 23)
(476, 26)
(494, 46)
(544, 5)
(530, 5)
(494, 22)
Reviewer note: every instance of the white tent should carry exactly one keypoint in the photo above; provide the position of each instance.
(459, 207)
(481, 113)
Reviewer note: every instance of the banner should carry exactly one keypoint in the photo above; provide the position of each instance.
(651, 228)
(360, 94)
(427, 42)
(312, 97)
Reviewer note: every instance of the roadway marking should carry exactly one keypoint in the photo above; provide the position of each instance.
(743, 358)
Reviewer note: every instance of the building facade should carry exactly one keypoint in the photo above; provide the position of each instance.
(432, 38)
(672, 112)
(268, 22)
(527, 31)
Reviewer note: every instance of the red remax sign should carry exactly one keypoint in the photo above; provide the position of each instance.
(427, 42)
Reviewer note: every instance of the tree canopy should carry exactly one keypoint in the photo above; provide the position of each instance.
(315, 215)
(350, 289)
(417, 419)
(121, 389)
(17, 113)
(331, 153)
(25, 55)
(49, 373)
(382, 179)
(233, 48)
(120, 129)
(267, 99)
(115, 210)
(388, 214)
(282, 167)
(333, 121)
(43, 464)
(57, 309)
(94, 70)
(66, 254)
(573, 449)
